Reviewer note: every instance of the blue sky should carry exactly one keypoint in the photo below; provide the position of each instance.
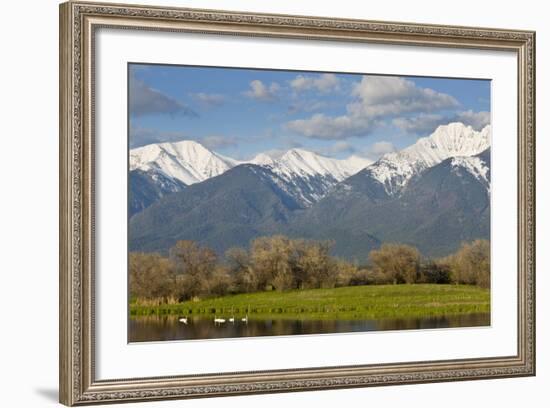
(242, 112)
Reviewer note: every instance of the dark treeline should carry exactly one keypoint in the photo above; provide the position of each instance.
(279, 263)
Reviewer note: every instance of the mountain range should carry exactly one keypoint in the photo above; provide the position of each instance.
(305, 175)
(433, 194)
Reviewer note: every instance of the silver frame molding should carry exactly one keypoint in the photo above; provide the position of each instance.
(78, 22)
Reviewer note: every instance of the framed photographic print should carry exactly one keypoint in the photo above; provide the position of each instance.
(241, 193)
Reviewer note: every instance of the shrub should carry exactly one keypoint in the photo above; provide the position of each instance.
(435, 272)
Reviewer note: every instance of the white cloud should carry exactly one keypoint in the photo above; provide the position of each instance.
(391, 96)
(477, 120)
(422, 124)
(342, 147)
(382, 148)
(209, 100)
(261, 92)
(425, 124)
(320, 126)
(376, 98)
(378, 149)
(322, 83)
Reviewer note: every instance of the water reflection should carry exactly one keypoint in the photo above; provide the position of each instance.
(158, 328)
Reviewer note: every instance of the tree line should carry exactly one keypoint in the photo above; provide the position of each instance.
(192, 271)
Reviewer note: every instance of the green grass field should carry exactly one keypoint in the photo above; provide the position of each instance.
(347, 303)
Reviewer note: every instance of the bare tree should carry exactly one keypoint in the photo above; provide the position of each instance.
(315, 268)
(347, 274)
(151, 276)
(241, 271)
(400, 263)
(220, 281)
(471, 264)
(195, 266)
(273, 260)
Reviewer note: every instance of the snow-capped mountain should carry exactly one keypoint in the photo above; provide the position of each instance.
(190, 162)
(478, 166)
(186, 161)
(395, 170)
(263, 159)
(308, 176)
(434, 195)
(147, 187)
(440, 208)
(303, 163)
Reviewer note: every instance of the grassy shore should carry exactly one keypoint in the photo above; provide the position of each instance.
(354, 302)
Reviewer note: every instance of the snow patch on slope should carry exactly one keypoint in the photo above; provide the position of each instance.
(475, 166)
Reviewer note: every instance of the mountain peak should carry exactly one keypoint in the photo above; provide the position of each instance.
(187, 161)
(395, 169)
(190, 162)
(186, 144)
(313, 174)
(454, 139)
(298, 152)
(305, 163)
(263, 159)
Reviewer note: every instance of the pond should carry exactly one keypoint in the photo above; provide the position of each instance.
(159, 328)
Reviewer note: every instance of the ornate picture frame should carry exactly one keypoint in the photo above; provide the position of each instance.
(79, 22)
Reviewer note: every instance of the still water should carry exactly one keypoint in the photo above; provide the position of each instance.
(158, 328)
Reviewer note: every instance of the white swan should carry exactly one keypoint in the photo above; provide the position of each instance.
(245, 319)
(218, 320)
(183, 320)
(232, 319)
